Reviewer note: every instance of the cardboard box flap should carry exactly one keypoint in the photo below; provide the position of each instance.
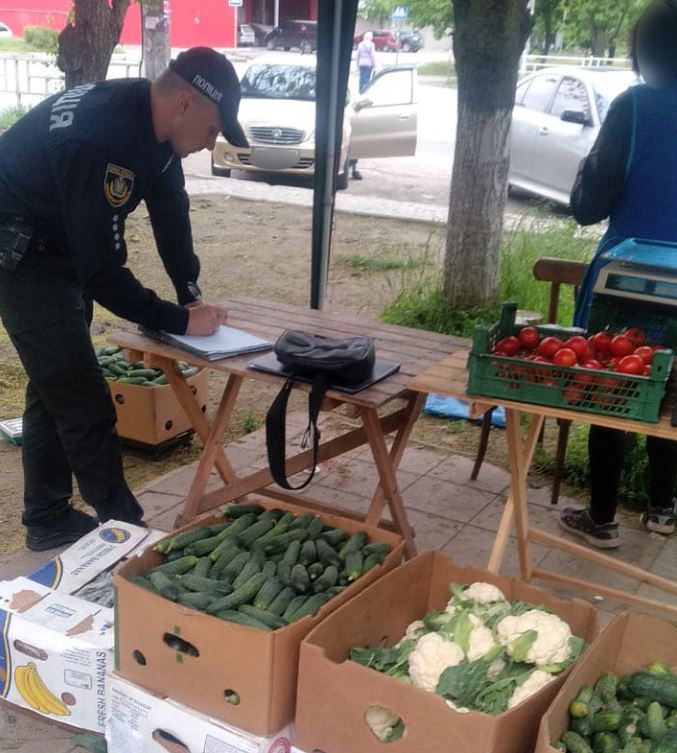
(92, 554)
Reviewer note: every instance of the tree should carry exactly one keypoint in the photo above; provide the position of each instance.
(489, 38)
(155, 28)
(549, 16)
(87, 41)
(436, 13)
(600, 24)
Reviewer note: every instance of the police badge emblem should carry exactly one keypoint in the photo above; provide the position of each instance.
(118, 184)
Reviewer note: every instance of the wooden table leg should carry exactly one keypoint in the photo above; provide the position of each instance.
(388, 479)
(530, 442)
(396, 451)
(190, 405)
(210, 450)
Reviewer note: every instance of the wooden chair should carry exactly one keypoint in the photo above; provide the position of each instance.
(557, 272)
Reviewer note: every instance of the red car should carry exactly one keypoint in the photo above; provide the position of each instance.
(384, 41)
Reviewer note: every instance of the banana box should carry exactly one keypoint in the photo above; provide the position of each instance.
(140, 721)
(57, 628)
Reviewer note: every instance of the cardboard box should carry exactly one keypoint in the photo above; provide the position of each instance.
(141, 722)
(261, 667)
(629, 642)
(55, 648)
(334, 693)
(152, 415)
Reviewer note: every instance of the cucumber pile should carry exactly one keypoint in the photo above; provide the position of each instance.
(261, 568)
(115, 368)
(636, 713)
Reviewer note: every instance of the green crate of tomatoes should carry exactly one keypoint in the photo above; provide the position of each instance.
(612, 371)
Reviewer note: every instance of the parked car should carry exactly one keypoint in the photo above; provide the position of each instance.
(246, 36)
(384, 41)
(277, 112)
(5, 31)
(261, 32)
(557, 115)
(301, 35)
(409, 40)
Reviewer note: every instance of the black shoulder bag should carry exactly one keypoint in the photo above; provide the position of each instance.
(323, 361)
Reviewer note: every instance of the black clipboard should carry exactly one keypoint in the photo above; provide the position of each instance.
(270, 365)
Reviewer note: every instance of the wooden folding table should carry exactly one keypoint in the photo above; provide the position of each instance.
(449, 377)
(413, 350)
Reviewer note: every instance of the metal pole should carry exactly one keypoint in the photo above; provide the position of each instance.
(276, 15)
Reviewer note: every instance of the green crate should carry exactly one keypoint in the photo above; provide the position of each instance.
(602, 392)
(659, 323)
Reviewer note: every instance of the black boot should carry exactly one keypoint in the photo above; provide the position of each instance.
(357, 175)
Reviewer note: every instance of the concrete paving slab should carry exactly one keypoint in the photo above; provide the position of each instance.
(446, 498)
(458, 468)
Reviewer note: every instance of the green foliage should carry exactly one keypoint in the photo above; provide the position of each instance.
(436, 13)
(42, 38)
(9, 115)
(379, 263)
(250, 423)
(600, 25)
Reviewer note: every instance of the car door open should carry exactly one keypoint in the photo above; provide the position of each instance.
(384, 118)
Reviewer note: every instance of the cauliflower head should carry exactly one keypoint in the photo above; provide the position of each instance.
(415, 630)
(483, 593)
(534, 682)
(552, 641)
(381, 721)
(480, 640)
(432, 655)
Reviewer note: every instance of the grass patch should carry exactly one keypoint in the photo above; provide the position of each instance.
(439, 68)
(9, 115)
(17, 44)
(377, 264)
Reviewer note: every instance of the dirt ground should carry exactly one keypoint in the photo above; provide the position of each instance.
(260, 250)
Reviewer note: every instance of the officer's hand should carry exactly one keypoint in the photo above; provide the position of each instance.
(205, 318)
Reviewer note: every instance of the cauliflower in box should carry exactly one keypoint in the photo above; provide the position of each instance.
(483, 593)
(536, 637)
(383, 723)
(480, 641)
(432, 655)
(534, 682)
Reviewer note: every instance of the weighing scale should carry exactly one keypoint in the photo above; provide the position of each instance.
(641, 279)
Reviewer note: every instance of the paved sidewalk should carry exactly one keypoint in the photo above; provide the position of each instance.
(448, 511)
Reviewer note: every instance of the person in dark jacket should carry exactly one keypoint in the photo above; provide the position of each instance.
(630, 176)
(71, 171)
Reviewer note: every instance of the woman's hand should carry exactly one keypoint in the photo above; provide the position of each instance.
(205, 318)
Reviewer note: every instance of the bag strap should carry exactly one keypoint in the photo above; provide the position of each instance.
(276, 430)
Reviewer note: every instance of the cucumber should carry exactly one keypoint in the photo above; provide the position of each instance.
(269, 590)
(196, 600)
(164, 584)
(280, 527)
(606, 686)
(178, 566)
(235, 510)
(293, 605)
(279, 544)
(204, 547)
(238, 526)
(608, 720)
(303, 520)
(140, 580)
(308, 553)
(269, 569)
(315, 569)
(228, 547)
(250, 569)
(334, 536)
(182, 540)
(241, 595)
(234, 567)
(315, 527)
(300, 580)
(267, 618)
(282, 601)
(370, 561)
(328, 579)
(310, 606)
(354, 564)
(241, 618)
(377, 547)
(205, 585)
(354, 543)
(254, 532)
(227, 556)
(292, 553)
(132, 380)
(327, 554)
(655, 723)
(575, 743)
(605, 742)
(202, 568)
(657, 687)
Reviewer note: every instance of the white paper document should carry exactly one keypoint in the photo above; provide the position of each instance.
(225, 342)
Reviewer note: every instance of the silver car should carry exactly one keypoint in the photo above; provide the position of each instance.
(557, 116)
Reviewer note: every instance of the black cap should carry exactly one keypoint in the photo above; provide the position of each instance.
(211, 74)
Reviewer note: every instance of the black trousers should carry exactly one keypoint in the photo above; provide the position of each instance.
(69, 418)
(606, 449)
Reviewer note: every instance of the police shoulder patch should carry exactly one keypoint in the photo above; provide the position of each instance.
(118, 184)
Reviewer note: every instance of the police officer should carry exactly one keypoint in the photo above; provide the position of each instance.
(71, 170)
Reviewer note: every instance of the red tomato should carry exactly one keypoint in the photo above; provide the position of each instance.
(573, 394)
(646, 371)
(645, 352)
(612, 363)
(548, 346)
(528, 337)
(509, 345)
(564, 357)
(630, 365)
(621, 346)
(592, 363)
(635, 335)
(601, 342)
(579, 347)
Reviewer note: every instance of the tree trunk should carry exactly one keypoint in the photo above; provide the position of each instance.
(87, 42)
(156, 50)
(489, 39)
(548, 40)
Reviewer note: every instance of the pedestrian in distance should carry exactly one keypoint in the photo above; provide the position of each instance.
(366, 64)
(630, 176)
(71, 170)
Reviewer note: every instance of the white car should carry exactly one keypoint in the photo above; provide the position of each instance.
(277, 112)
(557, 116)
(5, 31)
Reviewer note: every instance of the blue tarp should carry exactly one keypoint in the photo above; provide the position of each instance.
(450, 407)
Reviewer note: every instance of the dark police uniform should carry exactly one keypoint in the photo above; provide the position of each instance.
(71, 170)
